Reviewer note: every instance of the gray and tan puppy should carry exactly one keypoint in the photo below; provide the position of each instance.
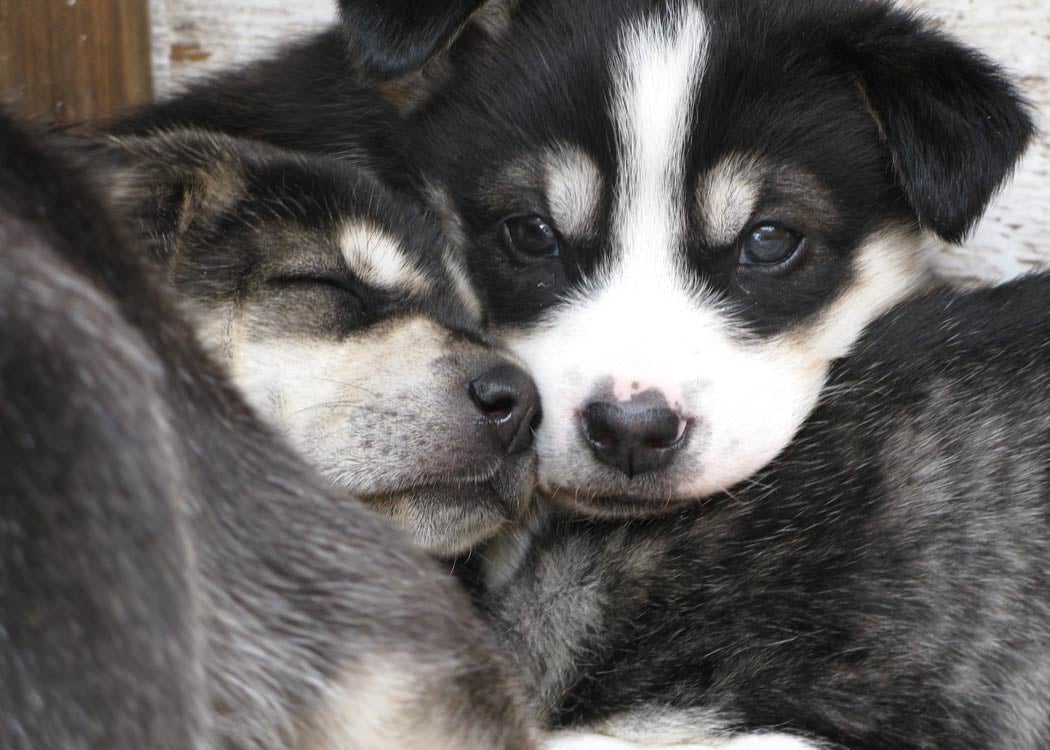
(335, 312)
(171, 576)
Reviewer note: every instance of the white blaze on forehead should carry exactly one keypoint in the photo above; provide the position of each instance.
(727, 197)
(378, 259)
(631, 321)
(660, 67)
(574, 188)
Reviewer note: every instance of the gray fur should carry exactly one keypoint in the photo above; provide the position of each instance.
(171, 576)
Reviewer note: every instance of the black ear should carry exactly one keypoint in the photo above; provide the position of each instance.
(393, 38)
(955, 124)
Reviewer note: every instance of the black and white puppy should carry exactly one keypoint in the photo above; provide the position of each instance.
(882, 584)
(171, 576)
(679, 213)
(343, 318)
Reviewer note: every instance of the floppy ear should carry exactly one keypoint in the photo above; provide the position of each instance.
(408, 49)
(161, 183)
(397, 37)
(955, 124)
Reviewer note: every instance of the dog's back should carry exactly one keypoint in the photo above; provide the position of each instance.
(171, 576)
(96, 577)
(308, 98)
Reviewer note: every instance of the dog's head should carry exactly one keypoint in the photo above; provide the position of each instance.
(679, 213)
(338, 314)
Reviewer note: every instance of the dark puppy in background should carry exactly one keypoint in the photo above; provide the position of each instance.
(171, 576)
(344, 319)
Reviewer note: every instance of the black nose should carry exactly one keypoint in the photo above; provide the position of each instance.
(509, 404)
(633, 436)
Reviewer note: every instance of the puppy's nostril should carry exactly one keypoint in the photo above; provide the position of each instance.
(499, 408)
(509, 404)
(634, 436)
(598, 431)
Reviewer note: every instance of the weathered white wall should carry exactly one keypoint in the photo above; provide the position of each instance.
(192, 37)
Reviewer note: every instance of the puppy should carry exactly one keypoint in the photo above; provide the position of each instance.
(341, 316)
(171, 576)
(882, 584)
(680, 213)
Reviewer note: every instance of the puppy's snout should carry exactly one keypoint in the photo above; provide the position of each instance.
(634, 436)
(509, 405)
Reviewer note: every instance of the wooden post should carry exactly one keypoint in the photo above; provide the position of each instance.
(74, 61)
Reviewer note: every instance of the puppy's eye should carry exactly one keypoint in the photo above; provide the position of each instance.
(770, 245)
(531, 237)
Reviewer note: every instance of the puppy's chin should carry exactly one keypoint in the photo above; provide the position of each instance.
(449, 518)
(618, 506)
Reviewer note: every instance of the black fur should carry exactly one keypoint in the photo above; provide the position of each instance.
(954, 123)
(865, 97)
(883, 584)
(400, 36)
(308, 98)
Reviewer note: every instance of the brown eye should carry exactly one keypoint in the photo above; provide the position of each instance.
(769, 245)
(530, 236)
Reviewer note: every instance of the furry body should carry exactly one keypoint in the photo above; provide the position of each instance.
(171, 576)
(882, 584)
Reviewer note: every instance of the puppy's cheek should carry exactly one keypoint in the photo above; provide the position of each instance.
(749, 425)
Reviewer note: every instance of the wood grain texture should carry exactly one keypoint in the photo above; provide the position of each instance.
(192, 37)
(69, 61)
